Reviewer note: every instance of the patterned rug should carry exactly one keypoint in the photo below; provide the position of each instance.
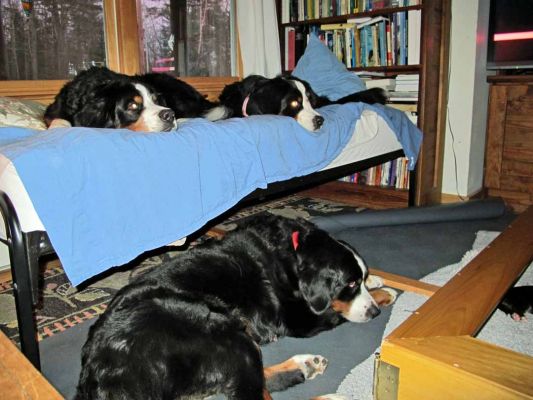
(64, 306)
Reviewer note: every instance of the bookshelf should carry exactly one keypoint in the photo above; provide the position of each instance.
(429, 64)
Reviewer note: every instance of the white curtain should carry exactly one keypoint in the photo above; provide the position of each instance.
(258, 37)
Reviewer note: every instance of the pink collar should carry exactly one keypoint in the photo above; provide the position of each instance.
(244, 105)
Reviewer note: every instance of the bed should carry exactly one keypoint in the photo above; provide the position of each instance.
(49, 204)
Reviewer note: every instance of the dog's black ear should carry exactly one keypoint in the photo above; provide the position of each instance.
(314, 285)
(316, 294)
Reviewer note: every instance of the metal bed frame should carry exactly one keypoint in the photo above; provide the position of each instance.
(26, 248)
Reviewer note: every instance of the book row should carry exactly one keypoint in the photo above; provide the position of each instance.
(393, 173)
(362, 42)
(302, 10)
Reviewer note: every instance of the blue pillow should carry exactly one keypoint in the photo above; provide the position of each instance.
(325, 73)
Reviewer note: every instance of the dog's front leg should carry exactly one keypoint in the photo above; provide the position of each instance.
(293, 371)
(266, 395)
(384, 296)
(373, 282)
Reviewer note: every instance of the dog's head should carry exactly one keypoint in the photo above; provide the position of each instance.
(282, 96)
(328, 274)
(332, 275)
(124, 104)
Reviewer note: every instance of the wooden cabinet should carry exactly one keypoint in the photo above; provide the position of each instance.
(425, 185)
(509, 150)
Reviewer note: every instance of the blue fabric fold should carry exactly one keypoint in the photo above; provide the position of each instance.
(107, 195)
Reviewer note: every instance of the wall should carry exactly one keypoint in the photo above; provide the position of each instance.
(467, 99)
(4, 257)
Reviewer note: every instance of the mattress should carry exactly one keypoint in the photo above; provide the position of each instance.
(373, 137)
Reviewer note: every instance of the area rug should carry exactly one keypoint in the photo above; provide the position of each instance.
(500, 330)
(64, 306)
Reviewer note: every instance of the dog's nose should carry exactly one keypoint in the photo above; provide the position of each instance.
(166, 115)
(318, 121)
(373, 312)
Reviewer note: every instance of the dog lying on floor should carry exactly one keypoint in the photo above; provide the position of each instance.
(192, 327)
(101, 98)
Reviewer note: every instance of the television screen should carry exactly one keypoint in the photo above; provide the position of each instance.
(510, 39)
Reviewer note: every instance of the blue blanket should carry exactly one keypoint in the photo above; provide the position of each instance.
(106, 196)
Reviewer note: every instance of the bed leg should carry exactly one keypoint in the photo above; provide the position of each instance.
(22, 283)
(22, 288)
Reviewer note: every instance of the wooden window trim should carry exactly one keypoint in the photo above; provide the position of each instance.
(122, 36)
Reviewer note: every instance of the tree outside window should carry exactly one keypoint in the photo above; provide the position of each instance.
(50, 39)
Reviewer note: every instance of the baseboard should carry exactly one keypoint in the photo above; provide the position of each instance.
(446, 198)
(5, 274)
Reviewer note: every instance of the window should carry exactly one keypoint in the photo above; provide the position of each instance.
(50, 39)
(187, 37)
(55, 39)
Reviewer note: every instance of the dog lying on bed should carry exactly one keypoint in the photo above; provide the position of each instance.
(193, 327)
(286, 95)
(101, 98)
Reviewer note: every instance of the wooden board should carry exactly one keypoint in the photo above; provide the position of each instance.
(458, 367)
(18, 377)
(435, 351)
(461, 306)
(45, 91)
(406, 284)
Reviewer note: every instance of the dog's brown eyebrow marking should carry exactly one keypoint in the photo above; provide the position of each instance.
(340, 306)
(138, 99)
(139, 126)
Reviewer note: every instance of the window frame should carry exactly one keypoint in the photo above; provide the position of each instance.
(123, 53)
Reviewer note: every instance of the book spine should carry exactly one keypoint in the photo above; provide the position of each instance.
(291, 50)
(382, 43)
(357, 47)
(299, 42)
(403, 38)
(293, 12)
(369, 51)
(389, 44)
(413, 36)
(375, 46)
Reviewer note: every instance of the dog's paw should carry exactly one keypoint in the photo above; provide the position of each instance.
(517, 317)
(59, 123)
(311, 365)
(384, 296)
(332, 396)
(373, 282)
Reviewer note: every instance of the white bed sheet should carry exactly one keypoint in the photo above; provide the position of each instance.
(373, 137)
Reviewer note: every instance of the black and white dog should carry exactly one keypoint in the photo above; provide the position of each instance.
(101, 98)
(286, 95)
(192, 327)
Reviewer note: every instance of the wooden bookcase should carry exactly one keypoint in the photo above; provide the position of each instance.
(509, 149)
(425, 183)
